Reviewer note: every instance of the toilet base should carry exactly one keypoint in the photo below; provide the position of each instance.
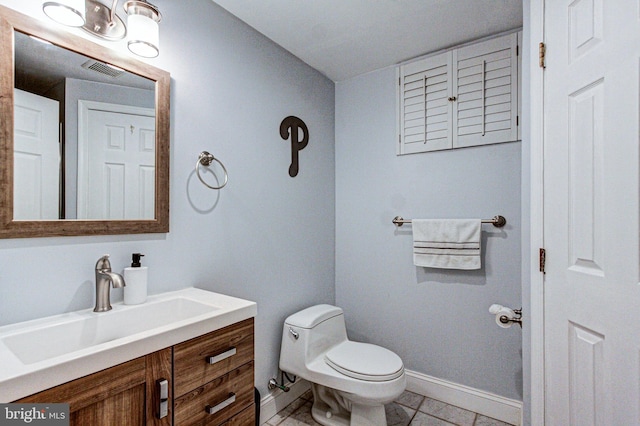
(331, 408)
(324, 415)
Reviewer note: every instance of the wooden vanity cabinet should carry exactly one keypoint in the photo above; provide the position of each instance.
(211, 381)
(120, 395)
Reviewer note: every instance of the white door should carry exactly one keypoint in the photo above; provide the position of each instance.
(591, 216)
(116, 177)
(36, 167)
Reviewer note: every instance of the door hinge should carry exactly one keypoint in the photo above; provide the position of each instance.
(517, 120)
(517, 50)
(542, 51)
(543, 260)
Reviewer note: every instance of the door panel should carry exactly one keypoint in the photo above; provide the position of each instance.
(36, 171)
(116, 180)
(591, 219)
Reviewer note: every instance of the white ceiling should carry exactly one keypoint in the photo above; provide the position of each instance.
(345, 38)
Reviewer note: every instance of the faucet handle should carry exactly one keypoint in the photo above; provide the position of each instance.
(103, 263)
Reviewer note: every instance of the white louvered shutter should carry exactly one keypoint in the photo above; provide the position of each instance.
(425, 111)
(464, 97)
(485, 78)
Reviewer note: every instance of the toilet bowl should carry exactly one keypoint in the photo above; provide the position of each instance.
(351, 381)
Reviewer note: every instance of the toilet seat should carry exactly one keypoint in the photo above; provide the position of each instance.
(365, 361)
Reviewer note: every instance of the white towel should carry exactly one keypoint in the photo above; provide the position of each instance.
(447, 243)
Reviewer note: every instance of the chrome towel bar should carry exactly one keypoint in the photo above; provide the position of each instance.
(497, 221)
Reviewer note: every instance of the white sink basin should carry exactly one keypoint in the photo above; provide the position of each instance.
(38, 354)
(91, 329)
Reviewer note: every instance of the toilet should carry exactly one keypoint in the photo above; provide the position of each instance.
(351, 381)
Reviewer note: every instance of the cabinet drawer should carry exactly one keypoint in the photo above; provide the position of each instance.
(225, 397)
(200, 360)
(246, 417)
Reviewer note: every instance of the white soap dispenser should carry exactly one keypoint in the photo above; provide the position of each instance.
(135, 278)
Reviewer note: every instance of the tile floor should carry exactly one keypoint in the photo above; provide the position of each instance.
(410, 409)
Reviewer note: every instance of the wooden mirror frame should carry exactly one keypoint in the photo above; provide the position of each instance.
(11, 21)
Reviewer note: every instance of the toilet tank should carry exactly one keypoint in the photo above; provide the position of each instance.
(318, 329)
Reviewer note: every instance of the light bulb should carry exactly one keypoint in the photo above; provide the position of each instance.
(143, 36)
(66, 12)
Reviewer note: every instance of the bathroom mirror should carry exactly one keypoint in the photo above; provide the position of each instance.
(103, 167)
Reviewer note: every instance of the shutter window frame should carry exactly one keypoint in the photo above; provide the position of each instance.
(481, 82)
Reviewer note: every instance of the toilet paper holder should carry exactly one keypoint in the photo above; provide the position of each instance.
(507, 319)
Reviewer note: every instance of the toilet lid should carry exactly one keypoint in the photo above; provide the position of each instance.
(365, 361)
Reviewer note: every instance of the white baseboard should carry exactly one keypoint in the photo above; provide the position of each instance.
(271, 404)
(478, 401)
(485, 403)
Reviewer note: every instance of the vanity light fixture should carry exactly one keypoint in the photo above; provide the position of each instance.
(67, 12)
(101, 21)
(144, 32)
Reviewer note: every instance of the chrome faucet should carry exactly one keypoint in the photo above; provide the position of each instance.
(104, 280)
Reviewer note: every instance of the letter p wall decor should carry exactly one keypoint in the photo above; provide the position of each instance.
(289, 128)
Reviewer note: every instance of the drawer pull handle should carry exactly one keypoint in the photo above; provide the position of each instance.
(162, 386)
(227, 402)
(224, 355)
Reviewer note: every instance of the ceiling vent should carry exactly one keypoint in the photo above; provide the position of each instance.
(102, 68)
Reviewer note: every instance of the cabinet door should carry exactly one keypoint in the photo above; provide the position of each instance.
(159, 366)
(425, 104)
(485, 77)
(122, 395)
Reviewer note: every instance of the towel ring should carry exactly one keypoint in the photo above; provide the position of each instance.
(206, 159)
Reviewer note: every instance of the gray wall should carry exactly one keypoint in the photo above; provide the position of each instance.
(437, 321)
(265, 237)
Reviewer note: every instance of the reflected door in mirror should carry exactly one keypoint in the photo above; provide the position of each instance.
(116, 173)
(36, 157)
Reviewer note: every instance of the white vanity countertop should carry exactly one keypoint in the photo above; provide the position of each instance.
(25, 370)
